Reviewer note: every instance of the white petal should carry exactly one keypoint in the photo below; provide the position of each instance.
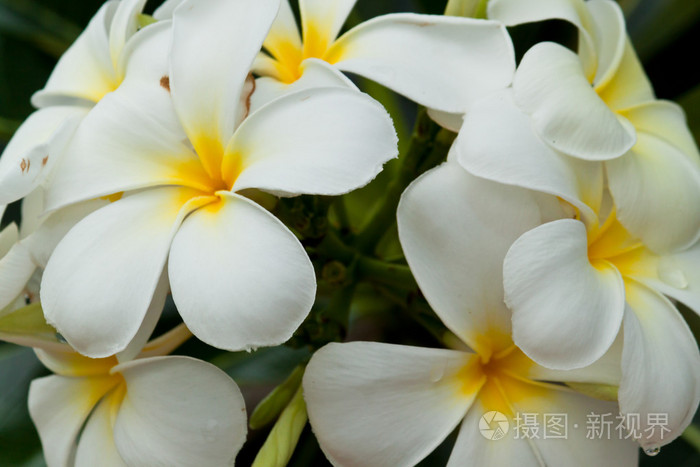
(566, 311)
(96, 445)
(118, 148)
(455, 230)
(604, 371)
(566, 112)
(580, 449)
(657, 191)
(630, 85)
(179, 411)
(8, 238)
(239, 277)
(676, 275)
(16, 268)
(665, 120)
(58, 407)
(660, 366)
(32, 212)
(321, 21)
(319, 141)
(315, 73)
(472, 445)
(610, 36)
(55, 226)
(65, 361)
(150, 320)
(388, 403)
(514, 12)
(283, 38)
(34, 149)
(444, 63)
(101, 278)
(451, 121)
(166, 9)
(123, 25)
(497, 142)
(85, 71)
(208, 70)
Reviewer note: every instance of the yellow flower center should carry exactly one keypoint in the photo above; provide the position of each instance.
(503, 378)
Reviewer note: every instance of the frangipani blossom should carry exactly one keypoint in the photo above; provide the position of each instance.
(392, 405)
(239, 277)
(94, 65)
(154, 410)
(597, 105)
(441, 62)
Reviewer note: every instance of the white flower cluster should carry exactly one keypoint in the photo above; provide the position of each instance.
(550, 242)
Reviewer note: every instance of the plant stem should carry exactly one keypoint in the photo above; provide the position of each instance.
(420, 155)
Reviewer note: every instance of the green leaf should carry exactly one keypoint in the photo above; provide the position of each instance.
(19, 443)
(271, 406)
(284, 436)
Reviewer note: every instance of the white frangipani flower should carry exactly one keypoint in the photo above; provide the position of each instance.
(441, 62)
(392, 405)
(94, 65)
(597, 105)
(239, 277)
(154, 410)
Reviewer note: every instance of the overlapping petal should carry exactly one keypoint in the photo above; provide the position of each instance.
(660, 366)
(239, 277)
(327, 141)
(119, 148)
(566, 310)
(101, 278)
(96, 446)
(16, 268)
(321, 21)
(451, 73)
(388, 403)
(59, 406)
(206, 102)
(566, 112)
(472, 445)
(497, 142)
(34, 148)
(442, 216)
(657, 189)
(179, 411)
(84, 72)
(315, 74)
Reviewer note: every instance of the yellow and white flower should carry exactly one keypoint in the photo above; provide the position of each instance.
(444, 63)
(153, 410)
(392, 405)
(93, 66)
(597, 105)
(239, 277)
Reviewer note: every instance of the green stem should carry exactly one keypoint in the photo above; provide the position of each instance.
(383, 218)
(395, 275)
(691, 435)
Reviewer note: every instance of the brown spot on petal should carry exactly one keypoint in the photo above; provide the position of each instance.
(165, 83)
(23, 165)
(44, 161)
